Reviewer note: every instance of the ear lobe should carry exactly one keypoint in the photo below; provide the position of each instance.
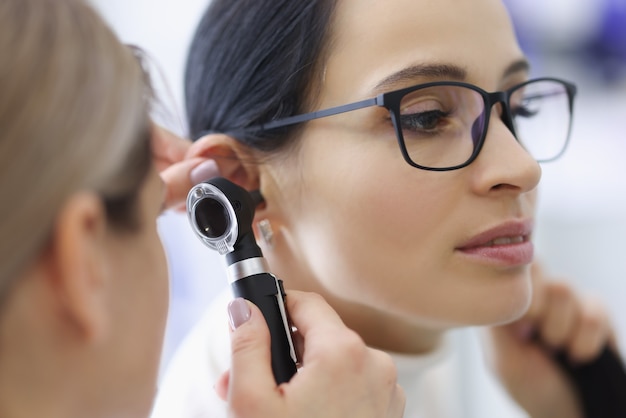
(79, 277)
(234, 160)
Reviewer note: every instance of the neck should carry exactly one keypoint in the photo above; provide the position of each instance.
(17, 401)
(30, 387)
(43, 371)
(57, 384)
(374, 327)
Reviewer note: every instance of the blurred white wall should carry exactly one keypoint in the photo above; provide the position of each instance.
(161, 27)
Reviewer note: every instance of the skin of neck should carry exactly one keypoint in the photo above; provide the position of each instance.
(45, 367)
(372, 325)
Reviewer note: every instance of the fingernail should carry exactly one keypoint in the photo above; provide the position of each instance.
(238, 312)
(204, 171)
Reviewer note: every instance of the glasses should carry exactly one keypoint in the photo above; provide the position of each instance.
(442, 126)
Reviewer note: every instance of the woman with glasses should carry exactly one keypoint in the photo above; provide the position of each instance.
(397, 145)
(83, 276)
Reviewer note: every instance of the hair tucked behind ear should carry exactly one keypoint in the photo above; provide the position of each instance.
(252, 61)
(73, 116)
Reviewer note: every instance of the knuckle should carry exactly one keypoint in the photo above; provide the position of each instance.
(244, 342)
(349, 352)
(392, 372)
(353, 344)
(585, 349)
(400, 395)
(313, 298)
(554, 338)
(384, 367)
(561, 291)
(593, 321)
(246, 405)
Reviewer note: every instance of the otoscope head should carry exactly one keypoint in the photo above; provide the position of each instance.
(221, 213)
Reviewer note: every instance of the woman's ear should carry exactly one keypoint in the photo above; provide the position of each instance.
(234, 160)
(78, 276)
(238, 164)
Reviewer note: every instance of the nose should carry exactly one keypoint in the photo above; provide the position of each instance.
(503, 163)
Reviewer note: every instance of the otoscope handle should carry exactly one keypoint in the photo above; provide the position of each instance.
(601, 384)
(266, 292)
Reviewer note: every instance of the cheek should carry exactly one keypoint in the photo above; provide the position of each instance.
(371, 229)
(381, 243)
(381, 233)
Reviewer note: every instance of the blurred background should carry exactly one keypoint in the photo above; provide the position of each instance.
(582, 210)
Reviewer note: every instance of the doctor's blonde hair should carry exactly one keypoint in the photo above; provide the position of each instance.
(73, 116)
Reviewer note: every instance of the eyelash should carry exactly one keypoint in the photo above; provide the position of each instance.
(430, 115)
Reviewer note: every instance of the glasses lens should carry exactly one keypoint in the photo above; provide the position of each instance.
(541, 114)
(441, 125)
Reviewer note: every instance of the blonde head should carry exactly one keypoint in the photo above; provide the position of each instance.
(73, 116)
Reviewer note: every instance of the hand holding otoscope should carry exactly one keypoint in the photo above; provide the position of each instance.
(221, 214)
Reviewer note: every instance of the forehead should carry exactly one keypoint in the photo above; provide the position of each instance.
(375, 38)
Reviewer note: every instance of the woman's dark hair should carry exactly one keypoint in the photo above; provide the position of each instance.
(252, 61)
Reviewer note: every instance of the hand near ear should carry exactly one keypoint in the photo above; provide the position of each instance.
(559, 320)
(179, 173)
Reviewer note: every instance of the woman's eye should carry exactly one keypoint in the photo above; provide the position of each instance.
(524, 112)
(423, 121)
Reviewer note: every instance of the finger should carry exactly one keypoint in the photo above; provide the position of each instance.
(179, 178)
(161, 164)
(221, 386)
(251, 370)
(324, 339)
(591, 334)
(383, 371)
(387, 372)
(397, 404)
(167, 146)
(309, 311)
(561, 315)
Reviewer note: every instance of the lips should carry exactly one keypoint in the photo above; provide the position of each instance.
(507, 244)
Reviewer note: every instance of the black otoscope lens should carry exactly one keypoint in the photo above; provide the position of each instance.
(211, 218)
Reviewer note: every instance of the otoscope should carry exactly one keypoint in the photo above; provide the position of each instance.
(221, 214)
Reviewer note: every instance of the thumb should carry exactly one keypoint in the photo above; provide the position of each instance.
(180, 177)
(251, 371)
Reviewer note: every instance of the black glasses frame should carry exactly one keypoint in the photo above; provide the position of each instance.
(391, 101)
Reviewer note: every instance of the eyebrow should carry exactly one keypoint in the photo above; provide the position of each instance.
(441, 71)
(521, 65)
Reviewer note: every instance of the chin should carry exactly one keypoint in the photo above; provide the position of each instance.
(511, 314)
(510, 306)
(500, 304)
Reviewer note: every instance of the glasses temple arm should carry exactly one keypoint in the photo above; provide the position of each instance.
(293, 120)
